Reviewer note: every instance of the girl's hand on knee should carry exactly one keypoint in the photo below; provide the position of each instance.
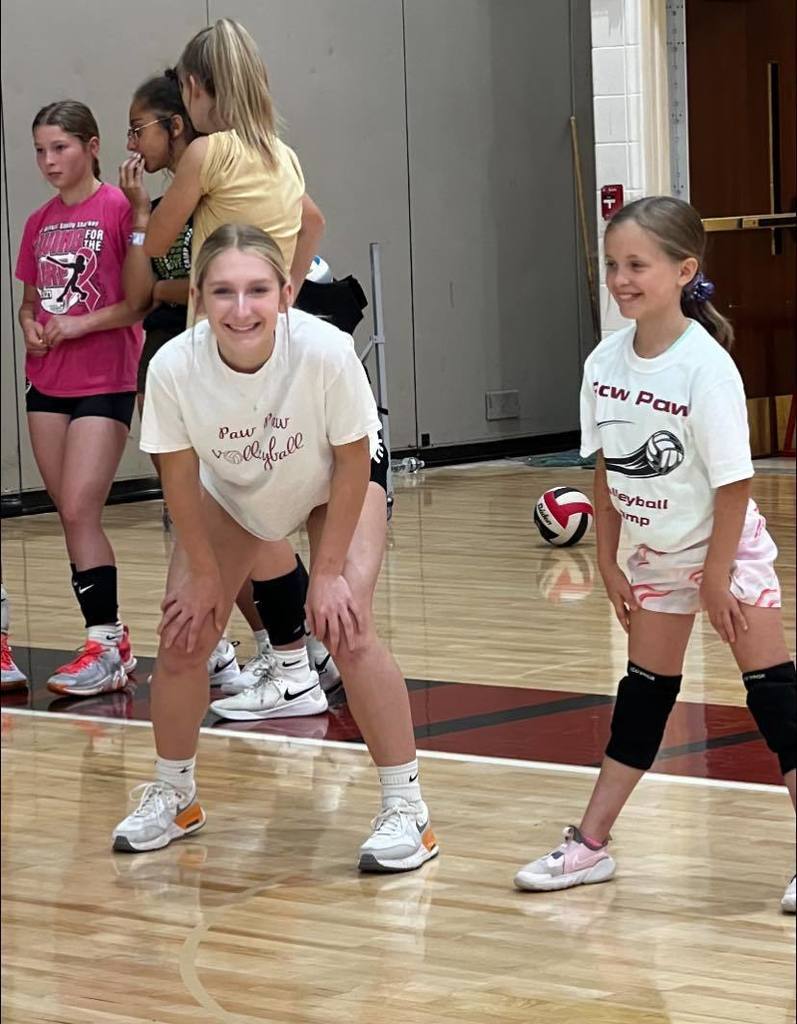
(186, 607)
(724, 611)
(333, 615)
(620, 594)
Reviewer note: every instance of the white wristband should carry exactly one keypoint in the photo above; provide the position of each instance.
(137, 237)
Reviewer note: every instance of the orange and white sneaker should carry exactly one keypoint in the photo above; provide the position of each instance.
(571, 863)
(163, 815)
(96, 669)
(126, 651)
(401, 840)
(12, 678)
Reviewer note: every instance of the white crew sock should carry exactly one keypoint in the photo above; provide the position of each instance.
(178, 774)
(400, 782)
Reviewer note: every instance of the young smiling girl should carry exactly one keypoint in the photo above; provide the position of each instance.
(82, 356)
(264, 420)
(663, 405)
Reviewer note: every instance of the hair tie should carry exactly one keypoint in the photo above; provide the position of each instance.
(700, 289)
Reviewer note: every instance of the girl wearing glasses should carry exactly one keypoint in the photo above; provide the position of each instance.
(159, 133)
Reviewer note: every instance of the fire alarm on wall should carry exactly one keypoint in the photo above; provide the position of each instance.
(611, 200)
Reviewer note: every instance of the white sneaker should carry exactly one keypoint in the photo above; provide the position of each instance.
(401, 840)
(321, 660)
(252, 672)
(223, 667)
(276, 694)
(163, 815)
(789, 901)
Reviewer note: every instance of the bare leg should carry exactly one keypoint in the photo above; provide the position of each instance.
(375, 687)
(658, 643)
(762, 646)
(93, 450)
(180, 687)
(48, 440)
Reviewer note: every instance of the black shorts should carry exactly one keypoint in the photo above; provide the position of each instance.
(116, 406)
(154, 340)
(379, 465)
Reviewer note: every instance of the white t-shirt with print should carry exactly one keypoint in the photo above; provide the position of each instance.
(264, 439)
(672, 430)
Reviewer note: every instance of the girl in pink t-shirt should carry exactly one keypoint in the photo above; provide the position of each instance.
(82, 355)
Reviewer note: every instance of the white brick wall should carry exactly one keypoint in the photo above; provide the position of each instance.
(617, 87)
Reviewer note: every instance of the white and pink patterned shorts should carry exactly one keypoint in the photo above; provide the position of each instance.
(670, 582)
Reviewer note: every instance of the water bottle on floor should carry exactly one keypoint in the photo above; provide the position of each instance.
(408, 465)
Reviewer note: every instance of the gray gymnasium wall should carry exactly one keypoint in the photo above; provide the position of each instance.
(437, 127)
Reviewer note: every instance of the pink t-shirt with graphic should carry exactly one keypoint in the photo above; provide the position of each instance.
(73, 256)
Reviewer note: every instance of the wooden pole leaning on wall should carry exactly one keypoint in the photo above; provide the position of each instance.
(582, 217)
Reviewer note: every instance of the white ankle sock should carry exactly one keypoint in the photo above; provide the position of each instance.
(179, 774)
(109, 634)
(400, 782)
(294, 666)
(262, 640)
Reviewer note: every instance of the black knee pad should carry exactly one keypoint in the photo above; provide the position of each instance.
(303, 573)
(643, 705)
(772, 699)
(280, 604)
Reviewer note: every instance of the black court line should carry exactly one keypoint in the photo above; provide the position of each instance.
(490, 718)
(431, 684)
(710, 743)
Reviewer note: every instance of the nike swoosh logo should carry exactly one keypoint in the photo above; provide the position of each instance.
(321, 666)
(414, 778)
(220, 667)
(291, 664)
(292, 696)
(82, 590)
(422, 828)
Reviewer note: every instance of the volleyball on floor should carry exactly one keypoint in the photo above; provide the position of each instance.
(563, 516)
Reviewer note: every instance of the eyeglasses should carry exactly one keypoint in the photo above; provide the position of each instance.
(134, 133)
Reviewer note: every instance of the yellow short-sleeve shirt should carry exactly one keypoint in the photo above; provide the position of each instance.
(239, 187)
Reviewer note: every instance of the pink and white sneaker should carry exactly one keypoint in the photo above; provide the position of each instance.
(572, 863)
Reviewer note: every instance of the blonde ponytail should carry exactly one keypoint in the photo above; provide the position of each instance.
(224, 59)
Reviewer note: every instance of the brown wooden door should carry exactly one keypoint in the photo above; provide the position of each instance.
(742, 108)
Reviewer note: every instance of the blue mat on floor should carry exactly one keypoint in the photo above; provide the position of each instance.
(555, 459)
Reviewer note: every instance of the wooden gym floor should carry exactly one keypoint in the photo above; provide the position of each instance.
(513, 658)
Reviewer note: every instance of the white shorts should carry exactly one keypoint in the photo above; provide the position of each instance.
(664, 582)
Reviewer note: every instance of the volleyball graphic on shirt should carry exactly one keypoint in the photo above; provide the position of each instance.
(563, 516)
(658, 456)
(664, 451)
